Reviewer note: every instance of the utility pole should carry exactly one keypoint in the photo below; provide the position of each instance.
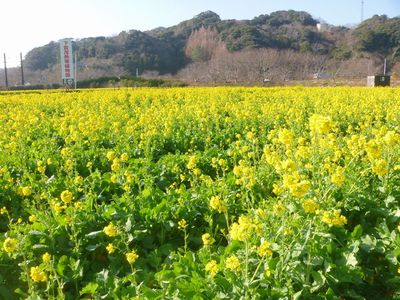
(75, 67)
(384, 67)
(22, 70)
(362, 11)
(5, 70)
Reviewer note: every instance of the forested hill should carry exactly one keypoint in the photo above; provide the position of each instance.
(167, 50)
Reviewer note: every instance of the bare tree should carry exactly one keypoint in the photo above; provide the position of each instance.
(202, 43)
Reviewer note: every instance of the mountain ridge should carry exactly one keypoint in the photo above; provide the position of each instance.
(164, 50)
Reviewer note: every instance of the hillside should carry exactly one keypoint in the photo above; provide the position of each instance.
(169, 50)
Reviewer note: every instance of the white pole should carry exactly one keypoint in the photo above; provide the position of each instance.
(384, 68)
(75, 67)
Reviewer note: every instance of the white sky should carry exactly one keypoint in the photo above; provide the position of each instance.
(27, 24)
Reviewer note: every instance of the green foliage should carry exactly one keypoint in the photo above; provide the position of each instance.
(379, 35)
(41, 58)
(163, 49)
(127, 81)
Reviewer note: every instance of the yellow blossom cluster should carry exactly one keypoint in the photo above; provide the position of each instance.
(244, 228)
(333, 218)
(37, 274)
(10, 245)
(131, 257)
(111, 230)
(233, 263)
(212, 268)
(217, 204)
(207, 239)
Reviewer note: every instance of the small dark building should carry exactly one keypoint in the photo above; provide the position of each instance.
(378, 80)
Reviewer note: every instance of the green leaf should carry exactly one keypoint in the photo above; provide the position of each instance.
(357, 232)
(93, 234)
(90, 288)
(92, 247)
(62, 264)
(368, 243)
(146, 193)
(319, 281)
(128, 225)
(40, 246)
(351, 259)
(37, 232)
(223, 283)
(297, 295)
(148, 293)
(5, 293)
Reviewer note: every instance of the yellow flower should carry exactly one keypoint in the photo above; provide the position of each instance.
(10, 245)
(38, 275)
(25, 191)
(222, 162)
(131, 257)
(285, 137)
(110, 155)
(19, 220)
(338, 176)
(279, 208)
(268, 272)
(391, 138)
(320, 124)
(32, 218)
(46, 257)
(78, 180)
(310, 206)
(3, 210)
(69, 164)
(66, 152)
(207, 239)
(334, 218)
(192, 162)
(124, 156)
(242, 230)
(196, 171)
(116, 166)
(110, 248)
(380, 167)
(233, 263)
(58, 208)
(262, 213)
(217, 204)
(264, 250)
(182, 224)
(212, 268)
(111, 230)
(300, 189)
(114, 178)
(78, 205)
(66, 196)
(40, 166)
(296, 185)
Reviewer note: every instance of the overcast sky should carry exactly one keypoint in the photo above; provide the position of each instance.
(27, 24)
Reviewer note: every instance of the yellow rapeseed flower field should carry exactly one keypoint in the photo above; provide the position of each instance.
(226, 192)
